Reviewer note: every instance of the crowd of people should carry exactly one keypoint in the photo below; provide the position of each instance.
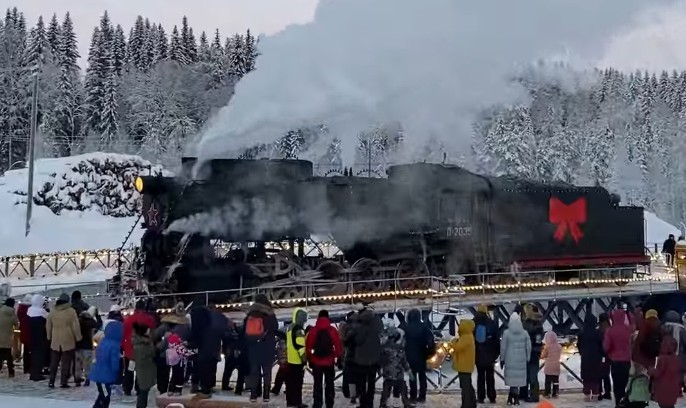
(631, 357)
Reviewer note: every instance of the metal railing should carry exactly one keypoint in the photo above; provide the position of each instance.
(52, 264)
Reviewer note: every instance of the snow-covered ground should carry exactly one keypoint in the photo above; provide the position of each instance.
(657, 230)
(32, 402)
(62, 281)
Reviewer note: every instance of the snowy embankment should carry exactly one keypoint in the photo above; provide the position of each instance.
(657, 230)
(82, 189)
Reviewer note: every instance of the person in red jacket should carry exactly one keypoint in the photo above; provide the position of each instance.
(666, 374)
(323, 346)
(617, 346)
(142, 318)
(24, 331)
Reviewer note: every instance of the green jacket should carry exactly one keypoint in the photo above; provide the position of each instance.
(144, 356)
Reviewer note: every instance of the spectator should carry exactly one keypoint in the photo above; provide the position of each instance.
(666, 374)
(590, 345)
(8, 321)
(260, 328)
(144, 356)
(296, 358)
(515, 351)
(464, 361)
(419, 347)
(77, 302)
(551, 354)
(348, 354)
(605, 383)
(208, 330)
(365, 337)
(487, 338)
(394, 366)
(25, 331)
(160, 337)
(669, 249)
(84, 347)
(672, 325)
(142, 318)
(323, 346)
(38, 344)
(63, 330)
(647, 346)
(534, 326)
(617, 346)
(106, 369)
(282, 361)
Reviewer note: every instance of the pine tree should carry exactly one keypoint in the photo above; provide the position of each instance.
(251, 52)
(54, 34)
(119, 50)
(136, 41)
(217, 61)
(68, 47)
(204, 49)
(237, 58)
(38, 50)
(191, 47)
(161, 45)
(176, 49)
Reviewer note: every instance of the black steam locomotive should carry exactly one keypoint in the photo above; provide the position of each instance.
(422, 220)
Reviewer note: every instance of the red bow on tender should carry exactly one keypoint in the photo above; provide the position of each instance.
(567, 217)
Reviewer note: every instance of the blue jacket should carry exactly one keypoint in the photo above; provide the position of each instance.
(108, 355)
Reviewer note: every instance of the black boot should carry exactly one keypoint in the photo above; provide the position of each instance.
(556, 390)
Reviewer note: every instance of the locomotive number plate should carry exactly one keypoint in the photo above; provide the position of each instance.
(457, 232)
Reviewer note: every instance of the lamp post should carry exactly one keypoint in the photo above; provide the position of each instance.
(32, 152)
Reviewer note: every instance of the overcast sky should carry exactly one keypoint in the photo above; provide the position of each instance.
(230, 16)
(654, 45)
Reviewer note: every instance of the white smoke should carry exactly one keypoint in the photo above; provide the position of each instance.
(431, 65)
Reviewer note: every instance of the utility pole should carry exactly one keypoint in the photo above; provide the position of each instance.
(32, 152)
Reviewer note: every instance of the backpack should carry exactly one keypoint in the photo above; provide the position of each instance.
(651, 345)
(323, 344)
(254, 326)
(480, 334)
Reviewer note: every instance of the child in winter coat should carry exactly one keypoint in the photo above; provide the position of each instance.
(177, 355)
(667, 374)
(394, 366)
(464, 361)
(105, 371)
(552, 351)
(282, 361)
(144, 352)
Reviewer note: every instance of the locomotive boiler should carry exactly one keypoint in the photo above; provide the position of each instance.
(421, 220)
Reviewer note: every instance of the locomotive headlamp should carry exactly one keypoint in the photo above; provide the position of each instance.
(138, 184)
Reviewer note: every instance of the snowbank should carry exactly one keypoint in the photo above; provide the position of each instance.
(657, 230)
(71, 230)
(101, 182)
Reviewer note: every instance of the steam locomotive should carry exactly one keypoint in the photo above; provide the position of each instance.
(421, 220)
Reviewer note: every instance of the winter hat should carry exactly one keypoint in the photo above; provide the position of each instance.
(482, 308)
(93, 311)
(515, 316)
(323, 313)
(652, 313)
(9, 302)
(604, 318)
(27, 299)
(180, 309)
(64, 298)
(115, 309)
